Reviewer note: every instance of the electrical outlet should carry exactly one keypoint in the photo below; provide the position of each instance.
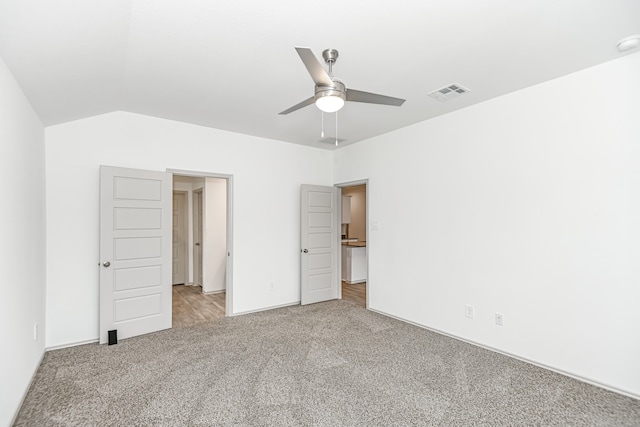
(272, 286)
(499, 319)
(35, 331)
(468, 311)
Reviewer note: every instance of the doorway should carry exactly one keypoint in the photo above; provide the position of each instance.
(354, 243)
(207, 290)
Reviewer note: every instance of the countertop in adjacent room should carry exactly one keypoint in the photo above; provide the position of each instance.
(355, 244)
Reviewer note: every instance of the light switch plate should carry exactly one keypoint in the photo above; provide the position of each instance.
(468, 311)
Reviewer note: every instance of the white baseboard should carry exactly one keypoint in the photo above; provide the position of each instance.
(266, 308)
(26, 390)
(214, 292)
(73, 344)
(515, 356)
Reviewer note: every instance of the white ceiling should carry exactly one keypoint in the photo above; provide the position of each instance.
(232, 65)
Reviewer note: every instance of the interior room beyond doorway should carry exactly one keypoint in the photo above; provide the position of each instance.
(354, 243)
(199, 249)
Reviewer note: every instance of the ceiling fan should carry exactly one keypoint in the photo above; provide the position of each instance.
(330, 92)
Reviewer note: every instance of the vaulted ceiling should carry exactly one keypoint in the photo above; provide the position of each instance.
(232, 65)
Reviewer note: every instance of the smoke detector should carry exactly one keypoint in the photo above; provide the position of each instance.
(448, 92)
(629, 43)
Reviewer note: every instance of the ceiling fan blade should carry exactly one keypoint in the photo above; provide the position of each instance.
(318, 74)
(372, 98)
(298, 106)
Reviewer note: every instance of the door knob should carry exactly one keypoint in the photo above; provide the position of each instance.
(306, 251)
(106, 263)
(197, 244)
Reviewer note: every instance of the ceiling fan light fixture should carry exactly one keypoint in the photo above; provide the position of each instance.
(329, 103)
(330, 98)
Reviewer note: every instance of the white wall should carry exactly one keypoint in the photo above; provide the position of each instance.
(214, 255)
(267, 177)
(22, 245)
(527, 205)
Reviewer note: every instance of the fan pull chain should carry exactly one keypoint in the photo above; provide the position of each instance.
(336, 128)
(322, 131)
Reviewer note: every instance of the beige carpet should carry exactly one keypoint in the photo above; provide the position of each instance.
(329, 364)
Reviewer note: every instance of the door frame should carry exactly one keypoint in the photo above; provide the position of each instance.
(340, 186)
(197, 236)
(229, 276)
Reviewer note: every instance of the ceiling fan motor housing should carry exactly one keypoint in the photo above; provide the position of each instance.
(338, 89)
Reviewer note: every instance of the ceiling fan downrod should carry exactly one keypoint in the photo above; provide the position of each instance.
(330, 57)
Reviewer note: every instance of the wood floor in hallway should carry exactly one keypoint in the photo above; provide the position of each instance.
(356, 293)
(191, 306)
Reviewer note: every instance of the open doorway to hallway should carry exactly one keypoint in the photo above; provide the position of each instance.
(354, 243)
(191, 306)
(200, 248)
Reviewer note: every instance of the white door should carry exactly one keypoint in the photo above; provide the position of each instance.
(135, 251)
(318, 243)
(179, 239)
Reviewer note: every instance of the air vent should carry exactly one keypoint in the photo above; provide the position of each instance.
(331, 140)
(448, 92)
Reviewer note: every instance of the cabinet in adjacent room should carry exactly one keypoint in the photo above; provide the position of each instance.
(354, 263)
(346, 209)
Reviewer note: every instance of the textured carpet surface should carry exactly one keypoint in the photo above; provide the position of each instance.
(329, 364)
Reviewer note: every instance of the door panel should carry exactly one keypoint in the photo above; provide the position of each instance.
(137, 219)
(317, 241)
(320, 282)
(137, 248)
(319, 244)
(135, 251)
(137, 277)
(137, 188)
(320, 261)
(320, 219)
(134, 308)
